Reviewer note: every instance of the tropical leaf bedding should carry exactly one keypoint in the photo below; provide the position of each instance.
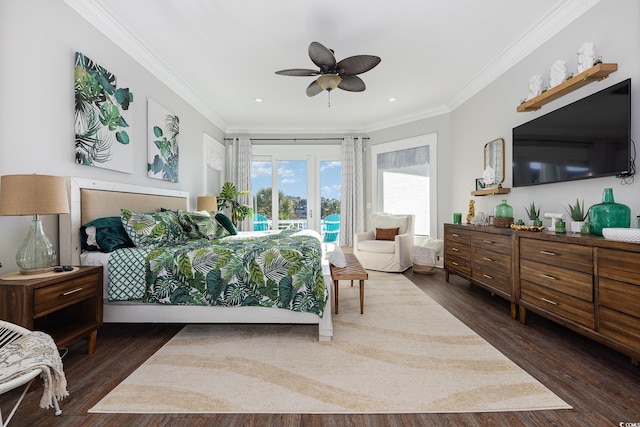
(280, 270)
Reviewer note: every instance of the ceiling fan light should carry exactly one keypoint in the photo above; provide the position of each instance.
(329, 81)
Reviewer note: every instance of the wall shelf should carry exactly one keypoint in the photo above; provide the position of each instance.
(491, 191)
(594, 74)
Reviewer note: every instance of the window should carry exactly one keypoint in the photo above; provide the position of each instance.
(404, 180)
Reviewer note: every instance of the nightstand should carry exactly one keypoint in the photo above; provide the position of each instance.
(66, 305)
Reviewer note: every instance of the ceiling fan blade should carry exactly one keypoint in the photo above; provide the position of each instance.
(321, 56)
(352, 84)
(313, 89)
(357, 64)
(301, 72)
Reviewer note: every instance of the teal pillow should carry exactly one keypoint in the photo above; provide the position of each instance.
(225, 221)
(201, 225)
(104, 234)
(152, 229)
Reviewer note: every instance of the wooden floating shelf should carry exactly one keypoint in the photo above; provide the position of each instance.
(594, 74)
(491, 191)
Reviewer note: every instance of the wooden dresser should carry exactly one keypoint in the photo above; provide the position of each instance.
(586, 283)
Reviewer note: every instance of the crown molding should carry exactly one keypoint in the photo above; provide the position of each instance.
(102, 19)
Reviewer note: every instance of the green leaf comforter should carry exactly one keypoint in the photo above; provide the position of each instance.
(280, 270)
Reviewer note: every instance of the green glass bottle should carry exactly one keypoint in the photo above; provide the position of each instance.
(503, 210)
(608, 214)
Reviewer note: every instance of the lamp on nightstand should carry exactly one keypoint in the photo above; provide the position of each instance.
(34, 195)
(207, 203)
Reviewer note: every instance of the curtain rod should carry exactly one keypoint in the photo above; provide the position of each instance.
(297, 139)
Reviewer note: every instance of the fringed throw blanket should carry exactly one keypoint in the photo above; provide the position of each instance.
(36, 350)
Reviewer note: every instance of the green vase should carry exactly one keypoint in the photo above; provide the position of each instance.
(608, 214)
(503, 210)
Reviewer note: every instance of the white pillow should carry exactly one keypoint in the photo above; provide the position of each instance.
(384, 220)
(337, 258)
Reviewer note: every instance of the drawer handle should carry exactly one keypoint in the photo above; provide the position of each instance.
(547, 253)
(487, 276)
(455, 249)
(489, 241)
(549, 301)
(546, 276)
(487, 259)
(454, 263)
(455, 235)
(72, 292)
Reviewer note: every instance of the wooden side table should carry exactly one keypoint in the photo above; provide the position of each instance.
(66, 305)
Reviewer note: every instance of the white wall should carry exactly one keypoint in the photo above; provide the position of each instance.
(613, 27)
(38, 39)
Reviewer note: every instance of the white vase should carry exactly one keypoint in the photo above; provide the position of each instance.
(576, 226)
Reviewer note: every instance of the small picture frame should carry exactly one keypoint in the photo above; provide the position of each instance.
(480, 184)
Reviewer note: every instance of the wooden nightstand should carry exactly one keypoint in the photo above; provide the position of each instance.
(67, 305)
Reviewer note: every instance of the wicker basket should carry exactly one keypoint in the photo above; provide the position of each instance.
(502, 222)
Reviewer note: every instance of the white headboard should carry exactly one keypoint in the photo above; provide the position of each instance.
(106, 199)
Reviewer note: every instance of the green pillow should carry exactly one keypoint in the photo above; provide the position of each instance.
(201, 225)
(225, 221)
(104, 234)
(152, 229)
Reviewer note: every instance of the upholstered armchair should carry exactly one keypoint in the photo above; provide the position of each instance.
(388, 246)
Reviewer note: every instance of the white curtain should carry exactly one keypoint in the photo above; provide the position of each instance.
(239, 173)
(352, 203)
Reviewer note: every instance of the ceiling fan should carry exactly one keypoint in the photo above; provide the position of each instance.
(332, 74)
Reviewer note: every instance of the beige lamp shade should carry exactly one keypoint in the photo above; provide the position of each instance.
(33, 195)
(207, 203)
(329, 81)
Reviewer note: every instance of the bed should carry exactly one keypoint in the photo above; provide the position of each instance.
(91, 199)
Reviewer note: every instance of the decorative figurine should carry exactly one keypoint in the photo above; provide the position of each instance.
(586, 56)
(535, 86)
(558, 73)
(472, 211)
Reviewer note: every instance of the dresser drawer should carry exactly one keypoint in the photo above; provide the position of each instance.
(569, 282)
(457, 250)
(498, 278)
(574, 309)
(619, 265)
(620, 327)
(494, 260)
(54, 297)
(461, 265)
(574, 257)
(620, 296)
(492, 242)
(457, 235)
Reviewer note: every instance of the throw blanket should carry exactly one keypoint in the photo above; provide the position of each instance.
(36, 350)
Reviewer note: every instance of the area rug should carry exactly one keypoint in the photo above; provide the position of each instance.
(405, 354)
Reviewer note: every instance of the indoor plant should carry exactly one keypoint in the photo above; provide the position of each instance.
(227, 200)
(533, 214)
(577, 215)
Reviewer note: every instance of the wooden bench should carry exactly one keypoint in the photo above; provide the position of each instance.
(352, 271)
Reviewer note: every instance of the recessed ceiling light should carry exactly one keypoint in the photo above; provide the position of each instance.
(258, 99)
(392, 99)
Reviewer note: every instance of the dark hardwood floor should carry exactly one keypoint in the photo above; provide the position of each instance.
(602, 385)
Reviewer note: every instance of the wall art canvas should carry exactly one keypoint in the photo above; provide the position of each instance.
(103, 117)
(163, 129)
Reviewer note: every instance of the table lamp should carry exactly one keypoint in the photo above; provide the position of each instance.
(34, 195)
(207, 203)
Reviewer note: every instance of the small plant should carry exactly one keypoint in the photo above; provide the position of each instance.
(227, 200)
(577, 212)
(532, 212)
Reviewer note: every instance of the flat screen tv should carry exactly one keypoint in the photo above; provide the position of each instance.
(588, 138)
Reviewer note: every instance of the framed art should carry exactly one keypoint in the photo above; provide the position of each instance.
(480, 184)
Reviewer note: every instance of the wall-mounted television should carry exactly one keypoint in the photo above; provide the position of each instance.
(588, 138)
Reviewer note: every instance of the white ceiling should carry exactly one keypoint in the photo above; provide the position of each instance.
(221, 55)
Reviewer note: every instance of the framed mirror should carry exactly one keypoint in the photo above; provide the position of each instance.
(494, 158)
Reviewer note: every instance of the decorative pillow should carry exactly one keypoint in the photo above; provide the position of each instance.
(337, 258)
(201, 225)
(104, 234)
(225, 221)
(387, 233)
(152, 229)
(384, 220)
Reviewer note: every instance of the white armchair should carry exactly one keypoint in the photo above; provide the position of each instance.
(386, 255)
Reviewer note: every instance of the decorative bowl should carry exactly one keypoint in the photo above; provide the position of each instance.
(622, 234)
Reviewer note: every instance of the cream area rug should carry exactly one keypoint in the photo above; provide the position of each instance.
(405, 354)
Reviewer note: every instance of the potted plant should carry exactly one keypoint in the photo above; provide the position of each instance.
(533, 214)
(227, 200)
(577, 215)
